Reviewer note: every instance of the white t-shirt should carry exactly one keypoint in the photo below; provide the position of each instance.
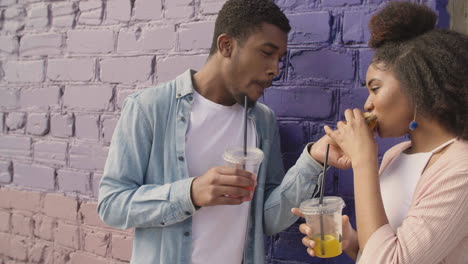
(218, 232)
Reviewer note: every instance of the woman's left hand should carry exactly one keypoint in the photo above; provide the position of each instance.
(354, 137)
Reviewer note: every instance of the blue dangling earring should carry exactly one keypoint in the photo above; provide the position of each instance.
(413, 124)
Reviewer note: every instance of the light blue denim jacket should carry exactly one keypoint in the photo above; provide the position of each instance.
(146, 185)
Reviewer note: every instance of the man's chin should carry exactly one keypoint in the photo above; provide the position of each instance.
(240, 99)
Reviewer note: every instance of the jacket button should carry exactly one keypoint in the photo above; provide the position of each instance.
(162, 223)
(190, 98)
(187, 212)
(182, 119)
(181, 158)
(187, 234)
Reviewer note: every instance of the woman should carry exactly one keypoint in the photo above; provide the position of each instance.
(415, 208)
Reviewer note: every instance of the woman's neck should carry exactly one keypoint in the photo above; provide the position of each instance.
(428, 136)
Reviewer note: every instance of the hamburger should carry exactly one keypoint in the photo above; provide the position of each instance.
(371, 119)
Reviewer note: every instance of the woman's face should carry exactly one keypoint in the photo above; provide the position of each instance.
(388, 102)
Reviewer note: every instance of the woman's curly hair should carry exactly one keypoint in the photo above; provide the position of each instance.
(431, 64)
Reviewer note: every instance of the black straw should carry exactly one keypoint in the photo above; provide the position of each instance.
(322, 233)
(245, 131)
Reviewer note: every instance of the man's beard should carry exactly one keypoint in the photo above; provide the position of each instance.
(240, 99)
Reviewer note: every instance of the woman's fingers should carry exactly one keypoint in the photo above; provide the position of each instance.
(297, 212)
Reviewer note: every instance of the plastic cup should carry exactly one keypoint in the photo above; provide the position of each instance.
(234, 157)
(325, 217)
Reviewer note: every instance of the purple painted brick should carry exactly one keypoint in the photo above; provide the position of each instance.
(62, 125)
(71, 69)
(211, 6)
(321, 64)
(288, 5)
(90, 41)
(73, 181)
(6, 3)
(108, 126)
(196, 35)
(41, 98)
(38, 124)
(121, 95)
(77, 97)
(6, 169)
(96, 180)
(51, 152)
(147, 10)
(87, 127)
(340, 2)
(352, 98)
(38, 16)
(24, 71)
(41, 44)
(118, 11)
(35, 176)
(146, 39)
(126, 69)
(88, 156)
(365, 59)
(15, 121)
(295, 135)
(14, 12)
(63, 14)
(355, 27)
(15, 146)
(309, 27)
(8, 44)
(303, 102)
(2, 118)
(169, 68)
(90, 12)
(179, 9)
(9, 98)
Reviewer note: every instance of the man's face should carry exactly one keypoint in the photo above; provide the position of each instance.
(255, 63)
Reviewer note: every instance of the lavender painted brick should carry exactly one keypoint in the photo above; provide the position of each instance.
(41, 44)
(300, 102)
(14, 12)
(90, 41)
(8, 44)
(71, 69)
(38, 124)
(90, 12)
(6, 3)
(38, 16)
(77, 97)
(9, 98)
(169, 68)
(196, 35)
(118, 11)
(365, 59)
(211, 6)
(328, 3)
(321, 64)
(122, 95)
(87, 127)
(148, 10)
(40, 98)
(96, 179)
(2, 118)
(309, 27)
(73, 181)
(62, 125)
(15, 146)
(108, 126)
(146, 39)
(51, 152)
(63, 14)
(35, 176)
(24, 71)
(5, 171)
(15, 121)
(88, 156)
(355, 27)
(126, 69)
(179, 9)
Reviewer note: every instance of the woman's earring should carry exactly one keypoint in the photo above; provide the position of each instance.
(413, 124)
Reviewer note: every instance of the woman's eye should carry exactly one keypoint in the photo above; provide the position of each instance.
(374, 88)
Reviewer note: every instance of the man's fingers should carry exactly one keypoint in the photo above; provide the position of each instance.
(232, 191)
(234, 180)
(234, 172)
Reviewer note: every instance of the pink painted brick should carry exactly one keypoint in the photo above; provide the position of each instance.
(63, 14)
(6, 169)
(15, 121)
(13, 26)
(96, 180)
(122, 95)
(122, 247)
(29, 201)
(62, 125)
(89, 216)
(6, 3)
(5, 198)
(5, 246)
(151, 39)
(22, 225)
(18, 248)
(40, 98)
(24, 71)
(38, 16)
(90, 13)
(211, 6)
(90, 41)
(73, 181)
(126, 69)
(88, 156)
(118, 11)
(38, 124)
(196, 35)
(35, 176)
(77, 97)
(95, 242)
(108, 126)
(55, 203)
(8, 44)
(78, 257)
(71, 69)
(87, 127)
(60, 255)
(5, 221)
(9, 98)
(50, 152)
(41, 44)
(44, 227)
(179, 9)
(147, 10)
(15, 146)
(171, 67)
(2, 118)
(67, 235)
(38, 251)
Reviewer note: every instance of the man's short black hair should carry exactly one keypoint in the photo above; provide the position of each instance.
(240, 18)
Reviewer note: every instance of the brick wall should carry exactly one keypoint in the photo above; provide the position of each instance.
(67, 65)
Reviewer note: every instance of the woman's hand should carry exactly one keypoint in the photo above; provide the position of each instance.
(336, 157)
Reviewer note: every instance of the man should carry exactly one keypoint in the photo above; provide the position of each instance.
(164, 173)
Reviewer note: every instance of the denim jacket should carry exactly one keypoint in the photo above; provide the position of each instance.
(146, 184)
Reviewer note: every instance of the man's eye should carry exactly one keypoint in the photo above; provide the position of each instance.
(267, 53)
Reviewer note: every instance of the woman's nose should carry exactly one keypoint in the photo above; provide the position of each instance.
(368, 106)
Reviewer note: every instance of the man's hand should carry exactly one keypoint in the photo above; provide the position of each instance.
(336, 157)
(222, 186)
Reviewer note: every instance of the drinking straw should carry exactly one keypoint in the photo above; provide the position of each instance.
(245, 131)
(322, 233)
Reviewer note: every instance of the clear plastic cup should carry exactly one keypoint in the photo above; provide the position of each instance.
(234, 157)
(325, 217)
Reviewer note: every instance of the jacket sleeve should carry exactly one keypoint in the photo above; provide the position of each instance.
(125, 201)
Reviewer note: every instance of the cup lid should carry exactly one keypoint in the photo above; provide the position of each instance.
(235, 154)
(330, 205)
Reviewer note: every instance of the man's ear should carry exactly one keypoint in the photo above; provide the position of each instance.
(225, 45)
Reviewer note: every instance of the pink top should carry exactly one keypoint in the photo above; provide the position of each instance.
(435, 229)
